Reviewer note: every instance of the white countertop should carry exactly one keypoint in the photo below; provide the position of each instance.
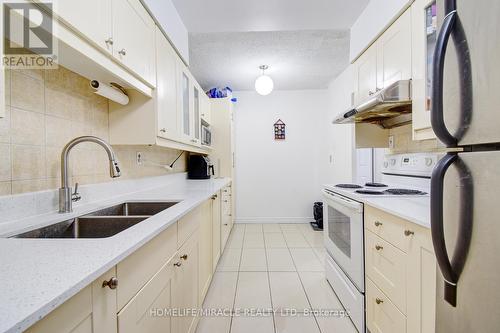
(37, 275)
(415, 209)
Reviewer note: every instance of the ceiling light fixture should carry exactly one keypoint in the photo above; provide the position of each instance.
(264, 85)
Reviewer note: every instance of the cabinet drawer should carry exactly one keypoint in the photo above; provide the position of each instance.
(387, 227)
(155, 295)
(188, 225)
(386, 266)
(137, 269)
(382, 316)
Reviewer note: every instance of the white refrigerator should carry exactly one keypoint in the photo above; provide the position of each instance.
(465, 186)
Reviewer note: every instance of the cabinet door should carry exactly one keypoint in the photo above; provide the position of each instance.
(92, 18)
(205, 108)
(92, 310)
(185, 291)
(421, 281)
(184, 101)
(147, 312)
(394, 52)
(196, 112)
(424, 33)
(166, 88)
(382, 316)
(134, 38)
(365, 74)
(216, 230)
(205, 250)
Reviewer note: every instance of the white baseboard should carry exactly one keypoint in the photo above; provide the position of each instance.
(274, 220)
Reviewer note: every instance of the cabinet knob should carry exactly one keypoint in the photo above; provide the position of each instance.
(184, 257)
(378, 223)
(109, 41)
(111, 283)
(163, 130)
(379, 301)
(178, 264)
(194, 140)
(214, 196)
(409, 233)
(225, 224)
(123, 52)
(379, 247)
(371, 93)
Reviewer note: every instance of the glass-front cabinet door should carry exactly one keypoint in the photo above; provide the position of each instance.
(196, 113)
(185, 102)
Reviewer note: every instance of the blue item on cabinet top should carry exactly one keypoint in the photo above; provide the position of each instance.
(220, 93)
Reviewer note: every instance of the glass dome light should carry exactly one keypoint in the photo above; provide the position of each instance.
(264, 85)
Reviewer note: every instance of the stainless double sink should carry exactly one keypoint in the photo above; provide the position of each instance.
(101, 223)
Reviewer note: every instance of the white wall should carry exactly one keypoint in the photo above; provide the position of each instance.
(376, 17)
(338, 157)
(167, 16)
(278, 181)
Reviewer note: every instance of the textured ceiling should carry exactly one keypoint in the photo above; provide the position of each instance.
(268, 15)
(296, 59)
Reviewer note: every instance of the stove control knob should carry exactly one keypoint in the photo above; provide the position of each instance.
(428, 161)
(393, 161)
(386, 164)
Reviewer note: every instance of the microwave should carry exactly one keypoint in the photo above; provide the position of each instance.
(206, 135)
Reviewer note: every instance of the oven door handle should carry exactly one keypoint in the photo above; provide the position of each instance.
(344, 201)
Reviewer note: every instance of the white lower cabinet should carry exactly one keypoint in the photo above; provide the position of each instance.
(400, 275)
(185, 293)
(92, 310)
(146, 312)
(205, 250)
(216, 230)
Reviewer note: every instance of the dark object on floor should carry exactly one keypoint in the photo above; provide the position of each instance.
(318, 216)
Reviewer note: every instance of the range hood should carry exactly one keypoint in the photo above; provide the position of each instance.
(388, 108)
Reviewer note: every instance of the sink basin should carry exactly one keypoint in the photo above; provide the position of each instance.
(85, 227)
(103, 223)
(134, 209)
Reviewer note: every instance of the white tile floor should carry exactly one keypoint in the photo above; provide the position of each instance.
(272, 266)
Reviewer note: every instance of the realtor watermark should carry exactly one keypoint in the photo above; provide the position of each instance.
(28, 35)
(247, 312)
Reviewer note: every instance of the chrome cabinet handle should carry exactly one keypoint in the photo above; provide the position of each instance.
(214, 196)
(178, 264)
(409, 233)
(109, 41)
(123, 52)
(379, 247)
(378, 223)
(184, 257)
(111, 283)
(371, 93)
(379, 301)
(163, 130)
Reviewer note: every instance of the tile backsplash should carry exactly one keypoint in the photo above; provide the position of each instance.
(44, 110)
(403, 142)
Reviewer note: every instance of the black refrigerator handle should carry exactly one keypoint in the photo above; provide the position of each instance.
(451, 270)
(437, 116)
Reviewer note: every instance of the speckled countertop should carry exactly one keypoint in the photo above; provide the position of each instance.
(37, 275)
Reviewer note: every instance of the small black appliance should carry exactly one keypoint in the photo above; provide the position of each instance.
(199, 167)
(317, 225)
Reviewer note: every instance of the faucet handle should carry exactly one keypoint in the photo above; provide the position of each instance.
(76, 196)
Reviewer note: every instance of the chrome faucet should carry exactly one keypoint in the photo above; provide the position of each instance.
(66, 198)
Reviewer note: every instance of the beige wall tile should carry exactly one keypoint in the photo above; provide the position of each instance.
(27, 92)
(53, 161)
(5, 162)
(28, 162)
(5, 126)
(24, 186)
(5, 188)
(57, 102)
(27, 127)
(58, 131)
(7, 86)
(34, 73)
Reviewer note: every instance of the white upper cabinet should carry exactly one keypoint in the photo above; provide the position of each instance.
(394, 52)
(92, 18)
(184, 100)
(387, 60)
(197, 92)
(166, 88)
(365, 74)
(134, 38)
(424, 33)
(205, 108)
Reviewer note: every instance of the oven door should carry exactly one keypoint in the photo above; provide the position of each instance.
(343, 234)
